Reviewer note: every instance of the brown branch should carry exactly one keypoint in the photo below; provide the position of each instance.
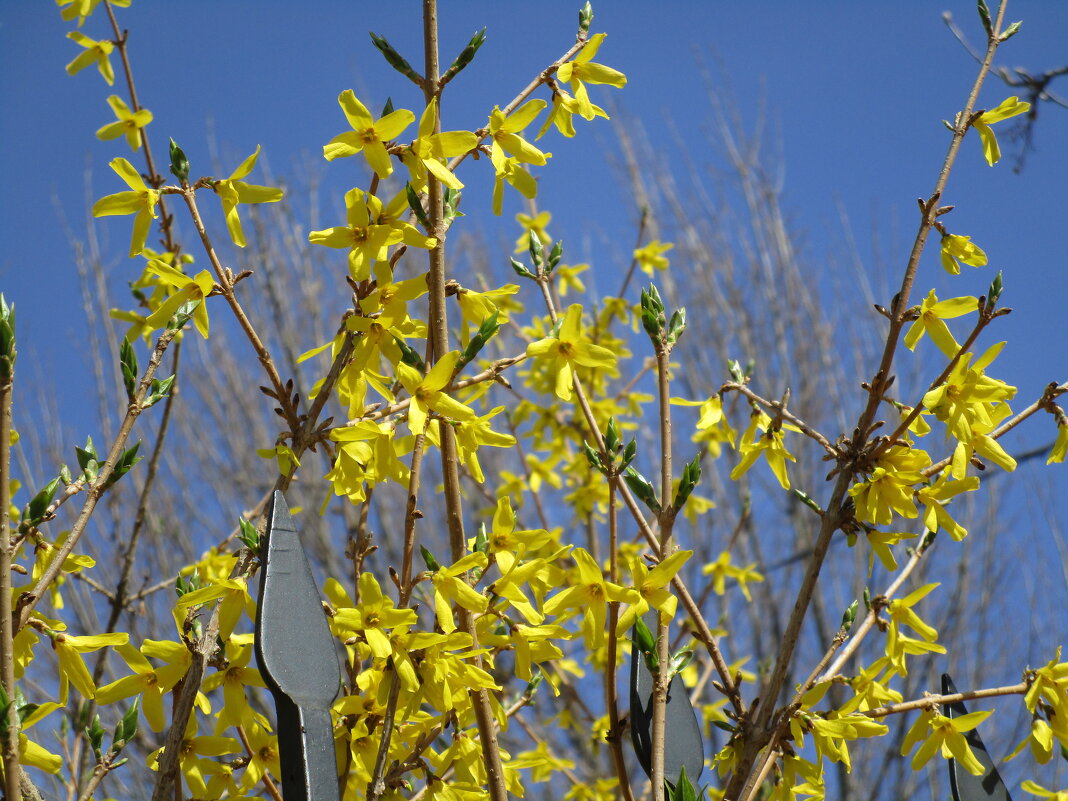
(439, 338)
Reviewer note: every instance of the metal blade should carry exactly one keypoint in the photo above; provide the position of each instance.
(683, 744)
(965, 786)
(297, 657)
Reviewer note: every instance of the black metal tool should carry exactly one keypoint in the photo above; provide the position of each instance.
(683, 744)
(296, 655)
(966, 786)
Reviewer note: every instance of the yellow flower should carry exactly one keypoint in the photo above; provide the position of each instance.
(367, 236)
(1060, 445)
(563, 109)
(97, 51)
(428, 395)
(374, 616)
(513, 172)
(72, 669)
(932, 312)
(769, 444)
(429, 149)
(504, 131)
(722, 569)
(83, 8)
(1029, 786)
(190, 290)
(150, 682)
(129, 123)
(581, 71)
(937, 495)
(589, 593)
(568, 349)
(957, 250)
(651, 257)
(652, 588)
(1009, 107)
(233, 190)
(140, 200)
(939, 732)
(367, 134)
(451, 587)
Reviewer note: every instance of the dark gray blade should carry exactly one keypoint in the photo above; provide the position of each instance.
(683, 744)
(298, 660)
(965, 786)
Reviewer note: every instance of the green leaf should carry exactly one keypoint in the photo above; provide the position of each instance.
(994, 292)
(641, 487)
(95, 734)
(416, 206)
(486, 331)
(468, 53)
(7, 340)
(388, 107)
(159, 390)
(850, 616)
(38, 505)
(126, 728)
(585, 17)
(808, 501)
(593, 457)
(1010, 31)
(984, 15)
(431, 563)
(676, 326)
(87, 459)
(521, 270)
(128, 364)
(555, 255)
(409, 356)
(643, 639)
(533, 684)
(680, 659)
(536, 249)
(179, 163)
(249, 535)
(611, 437)
(691, 476)
(395, 59)
(128, 459)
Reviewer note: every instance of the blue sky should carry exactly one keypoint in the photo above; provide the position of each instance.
(853, 91)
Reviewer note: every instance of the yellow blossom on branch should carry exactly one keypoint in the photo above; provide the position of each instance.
(233, 190)
(1009, 107)
(504, 130)
(932, 312)
(769, 444)
(428, 393)
(722, 569)
(1060, 445)
(367, 134)
(190, 289)
(651, 257)
(958, 250)
(569, 349)
(82, 9)
(367, 236)
(129, 123)
(941, 733)
(98, 51)
(581, 71)
(428, 150)
(140, 200)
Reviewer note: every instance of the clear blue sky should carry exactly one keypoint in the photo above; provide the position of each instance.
(856, 91)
